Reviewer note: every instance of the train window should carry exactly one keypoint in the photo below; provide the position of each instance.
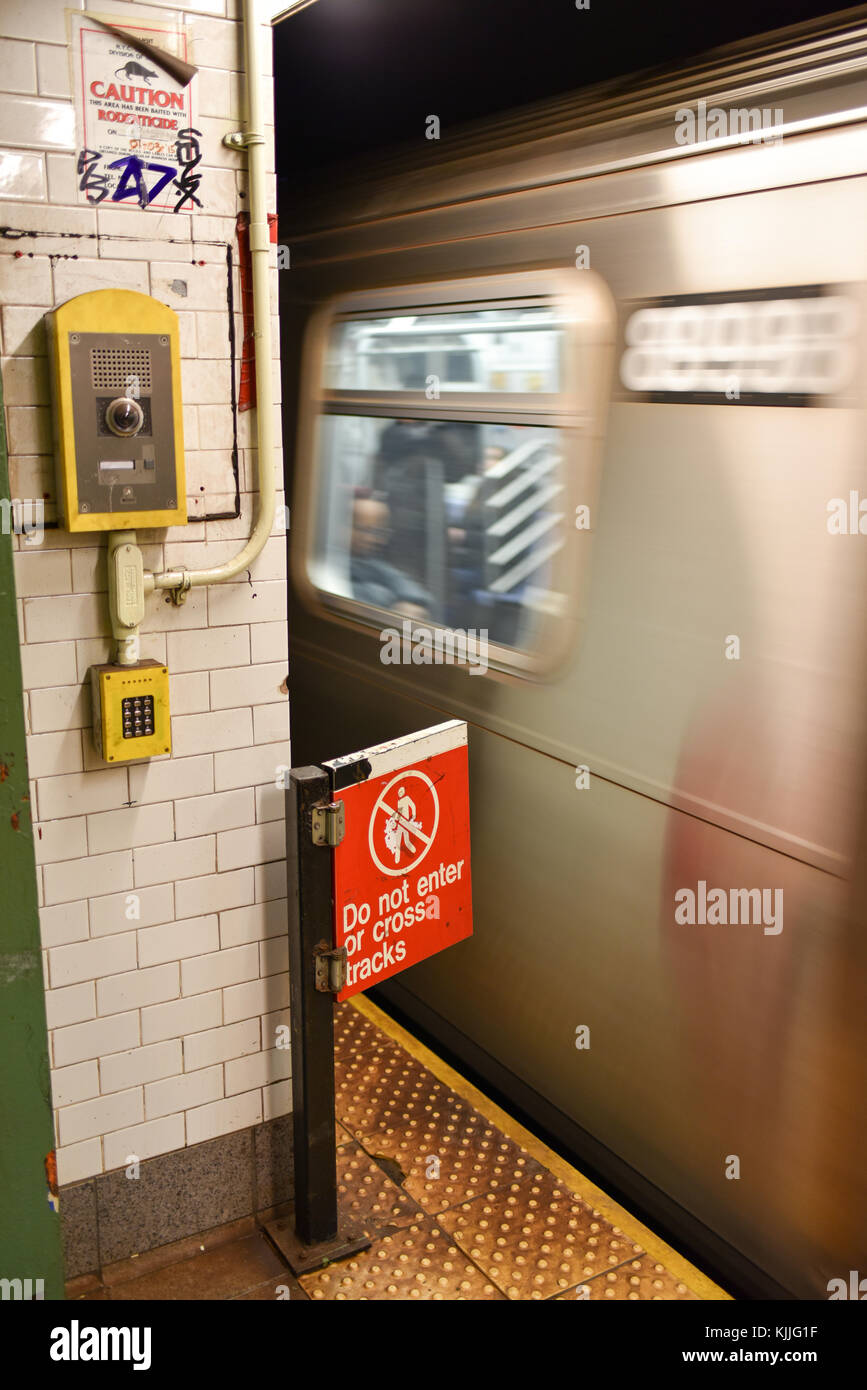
(484, 350)
(447, 439)
(454, 523)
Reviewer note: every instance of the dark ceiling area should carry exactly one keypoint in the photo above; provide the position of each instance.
(356, 76)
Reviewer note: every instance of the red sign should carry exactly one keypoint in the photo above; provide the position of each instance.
(402, 887)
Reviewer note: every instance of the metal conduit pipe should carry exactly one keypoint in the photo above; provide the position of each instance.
(253, 139)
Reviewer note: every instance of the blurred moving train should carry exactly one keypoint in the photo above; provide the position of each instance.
(590, 378)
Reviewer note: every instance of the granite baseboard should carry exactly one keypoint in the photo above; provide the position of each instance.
(180, 1194)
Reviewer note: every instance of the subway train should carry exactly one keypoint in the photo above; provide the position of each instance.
(582, 387)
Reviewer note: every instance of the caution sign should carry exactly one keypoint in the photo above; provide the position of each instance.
(138, 145)
(402, 888)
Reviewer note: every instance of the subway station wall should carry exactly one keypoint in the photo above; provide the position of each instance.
(161, 885)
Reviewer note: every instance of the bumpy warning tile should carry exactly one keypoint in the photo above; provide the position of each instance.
(353, 1033)
(417, 1263)
(537, 1239)
(451, 1155)
(637, 1280)
(385, 1089)
(367, 1199)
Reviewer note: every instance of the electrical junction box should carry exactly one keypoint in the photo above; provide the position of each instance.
(131, 711)
(116, 378)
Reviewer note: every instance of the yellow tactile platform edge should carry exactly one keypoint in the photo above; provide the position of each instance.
(656, 1248)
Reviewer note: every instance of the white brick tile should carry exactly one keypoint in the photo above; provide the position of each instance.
(254, 845)
(126, 911)
(209, 733)
(145, 1141)
(172, 779)
(103, 1035)
(91, 960)
(182, 1092)
(221, 968)
(207, 650)
(270, 804)
(23, 323)
(209, 473)
(25, 382)
(52, 66)
(25, 281)
(52, 754)
(206, 382)
(256, 998)
(69, 1085)
(213, 894)
(29, 429)
(203, 815)
(274, 955)
(137, 989)
(141, 1065)
(18, 65)
(40, 574)
(49, 663)
(260, 1069)
(206, 1049)
(75, 1004)
(58, 926)
(271, 722)
(130, 827)
(193, 1015)
(275, 1030)
(191, 434)
(213, 327)
(224, 1116)
(163, 863)
(36, 122)
(83, 275)
(270, 881)
(58, 840)
(193, 936)
(205, 285)
(215, 427)
(79, 1161)
(163, 616)
(100, 1116)
(99, 874)
(254, 923)
(248, 685)
(82, 793)
(53, 619)
(277, 1100)
(263, 602)
(189, 694)
(249, 767)
(60, 707)
(62, 178)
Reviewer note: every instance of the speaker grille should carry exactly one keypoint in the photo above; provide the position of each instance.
(121, 369)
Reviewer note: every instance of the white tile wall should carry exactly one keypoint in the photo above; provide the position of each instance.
(161, 881)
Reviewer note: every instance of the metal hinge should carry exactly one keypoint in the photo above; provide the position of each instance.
(329, 824)
(330, 968)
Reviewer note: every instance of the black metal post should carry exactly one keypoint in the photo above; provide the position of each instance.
(314, 1238)
(311, 1011)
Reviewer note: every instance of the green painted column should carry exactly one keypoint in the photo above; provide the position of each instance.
(30, 1245)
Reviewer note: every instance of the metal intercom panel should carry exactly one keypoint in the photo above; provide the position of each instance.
(119, 434)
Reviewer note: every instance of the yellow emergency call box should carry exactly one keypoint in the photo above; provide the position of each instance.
(116, 378)
(131, 711)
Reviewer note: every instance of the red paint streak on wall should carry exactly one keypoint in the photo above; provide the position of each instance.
(247, 384)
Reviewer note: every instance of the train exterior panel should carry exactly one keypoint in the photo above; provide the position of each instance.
(668, 777)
